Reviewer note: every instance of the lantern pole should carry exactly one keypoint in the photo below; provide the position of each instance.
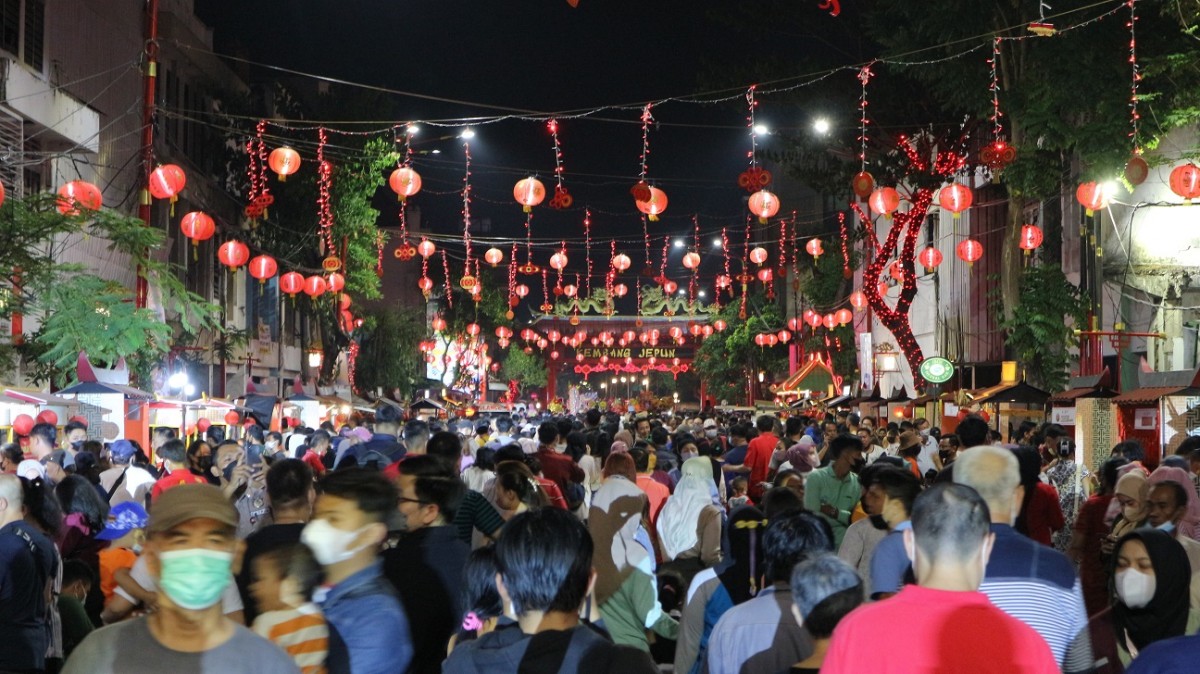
(151, 74)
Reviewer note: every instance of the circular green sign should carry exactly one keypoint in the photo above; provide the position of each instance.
(937, 370)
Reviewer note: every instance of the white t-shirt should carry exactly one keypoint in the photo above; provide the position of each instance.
(928, 450)
(231, 601)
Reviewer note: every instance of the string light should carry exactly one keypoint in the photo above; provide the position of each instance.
(1136, 77)
(587, 247)
(446, 272)
(561, 199)
(546, 306)
(646, 119)
(466, 206)
(529, 244)
(379, 254)
(406, 162)
(745, 275)
(512, 279)
(662, 272)
(646, 238)
(844, 235)
(324, 190)
(751, 104)
(994, 87)
(864, 77)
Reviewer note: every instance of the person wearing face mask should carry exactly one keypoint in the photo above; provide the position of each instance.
(175, 468)
(1034, 583)
(349, 523)
(1150, 602)
(1187, 523)
(833, 490)
(200, 458)
(74, 435)
(1131, 492)
(949, 545)
(191, 552)
(1167, 507)
(928, 459)
(78, 579)
(897, 490)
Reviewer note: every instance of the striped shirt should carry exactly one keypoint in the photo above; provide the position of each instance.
(1037, 585)
(300, 632)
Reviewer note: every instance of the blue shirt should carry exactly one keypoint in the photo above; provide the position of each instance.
(372, 635)
(1169, 656)
(890, 561)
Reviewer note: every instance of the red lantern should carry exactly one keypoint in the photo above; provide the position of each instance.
(723, 281)
(766, 275)
(336, 282)
(529, 192)
(771, 339)
(344, 302)
(955, 198)
(885, 201)
(233, 254)
(1185, 181)
(473, 329)
(22, 424)
(405, 182)
(1031, 237)
(862, 184)
(315, 286)
(764, 204)
(620, 290)
(858, 300)
(814, 247)
(813, 319)
(621, 262)
(719, 325)
(426, 248)
(77, 195)
(439, 325)
(425, 284)
(197, 226)
(784, 336)
(558, 260)
(707, 330)
(829, 320)
(291, 283)
(794, 323)
(843, 316)
(263, 267)
(493, 256)
(47, 417)
(654, 205)
(202, 425)
(670, 287)
(570, 290)
(896, 270)
(167, 181)
(1137, 170)
(970, 250)
(758, 255)
(521, 290)
(760, 339)
(284, 161)
(930, 258)
(691, 260)
(1092, 196)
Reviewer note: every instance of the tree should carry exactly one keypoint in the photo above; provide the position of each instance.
(727, 361)
(80, 311)
(385, 358)
(825, 289)
(527, 369)
(1042, 324)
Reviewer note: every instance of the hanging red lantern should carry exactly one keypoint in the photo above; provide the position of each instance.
(695, 330)
(22, 424)
(315, 286)
(970, 250)
(284, 161)
(473, 329)
(620, 290)
(167, 181)
(405, 182)
(930, 258)
(829, 321)
(570, 290)
(955, 198)
(621, 262)
(654, 205)
(812, 318)
(439, 324)
(336, 282)
(558, 260)
(758, 255)
(521, 290)
(670, 287)
(858, 300)
(766, 275)
(77, 195)
(884, 201)
(719, 325)
(1185, 181)
(263, 267)
(1092, 196)
(862, 184)
(493, 256)
(232, 418)
(291, 283)
(691, 260)
(784, 336)
(426, 248)
(233, 254)
(843, 316)
(197, 226)
(529, 192)
(764, 204)
(896, 270)
(1137, 170)
(706, 330)
(1031, 238)
(814, 247)
(760, 339)
(1, 194)
(425, 284)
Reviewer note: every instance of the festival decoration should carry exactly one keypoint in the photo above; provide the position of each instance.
(493, 256)
(691, 260)
(955, 198)
(405, 182)
(22, 424)
(426, 248)
(77, 196)
(843, 316)
(529, 192)
(197, 226)
(1185, 181)
(315, 286)
(884, 201)
(284, 161)
(1031, 238)
(336, 282)
(1092, 196)
(969, 250)
(862, 184)
(263, 267)
(758, 255)
(930, 258)
(814, 247)
(858, 300)
(166, 182)
(654, 204)
(764, 204)
(998, 154)
(291, 283)
(324, 192)
(1136, 170)
(233, 254)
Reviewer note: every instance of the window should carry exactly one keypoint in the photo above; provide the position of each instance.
(10, 25)
(35, 34)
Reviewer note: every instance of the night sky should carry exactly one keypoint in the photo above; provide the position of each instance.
(543, 55)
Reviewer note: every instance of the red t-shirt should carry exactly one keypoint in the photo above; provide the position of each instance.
(176, 478)
(758, 458)
(553, 493)
(314, 461)
(1044, 515)
(943, 632)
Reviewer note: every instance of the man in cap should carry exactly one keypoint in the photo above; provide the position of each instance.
(125, 481)
(192, 552)
(56, 464)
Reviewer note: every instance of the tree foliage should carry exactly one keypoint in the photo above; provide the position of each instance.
(527, 369)
(726, 361)
(1041, 328)
(385, 359)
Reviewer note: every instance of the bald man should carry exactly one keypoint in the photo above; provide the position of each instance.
(27, 566)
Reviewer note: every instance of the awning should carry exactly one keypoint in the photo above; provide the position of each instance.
(426, 403)
(1082, 392)
(28, 397)
(1019, 393)
(1152, 394)
(99, 388)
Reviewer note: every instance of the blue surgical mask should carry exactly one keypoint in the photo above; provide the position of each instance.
(1168, 527)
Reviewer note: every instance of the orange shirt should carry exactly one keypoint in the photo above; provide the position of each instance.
(112, 559)
(656, 491)
(180, 476)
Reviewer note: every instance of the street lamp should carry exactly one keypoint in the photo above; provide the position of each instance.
(315, 358)
(821, 126)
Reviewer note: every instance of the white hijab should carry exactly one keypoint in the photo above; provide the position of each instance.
(678, 519)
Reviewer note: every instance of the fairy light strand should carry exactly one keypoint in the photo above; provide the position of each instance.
(751, 104)
(324, 193)
(864, 77)
(466, 206)
(993, 65)
(587, 237)
(1135, 78)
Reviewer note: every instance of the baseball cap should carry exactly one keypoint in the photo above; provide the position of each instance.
(710, 423)
(123, 518)
(189, 502)
(122, 450)
(30, 469)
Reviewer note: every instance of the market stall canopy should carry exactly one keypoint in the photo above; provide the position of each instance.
(815, 377)
(1153, 386)
(95, 387)
(899, 395)
(27, 397)
(426, 404)
(1020, 393)
(837, 401)
(872, 397)
(1091, 386)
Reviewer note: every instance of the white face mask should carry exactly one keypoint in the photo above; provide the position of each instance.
(328, 543)
(1135, 588)
(712, 433)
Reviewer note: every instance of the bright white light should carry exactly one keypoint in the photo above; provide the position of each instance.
(412, 129)
(177, 380)
(717, 243)
(679, 243)
(701, 293)
(468, 133)
(1110, 188)
(682, 291)
(435, 152)
(189, 390)
(821, 126)
(762, 130)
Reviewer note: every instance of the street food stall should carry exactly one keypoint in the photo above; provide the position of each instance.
(1161, 412)
(31, 406)
(112, 408)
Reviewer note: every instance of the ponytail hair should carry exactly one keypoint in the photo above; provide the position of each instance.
(517, 478)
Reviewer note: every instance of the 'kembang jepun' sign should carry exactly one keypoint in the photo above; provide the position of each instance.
(660, 353)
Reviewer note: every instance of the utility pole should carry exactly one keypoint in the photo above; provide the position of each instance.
(150, 76)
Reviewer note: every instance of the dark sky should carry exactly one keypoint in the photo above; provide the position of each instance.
(544, 55)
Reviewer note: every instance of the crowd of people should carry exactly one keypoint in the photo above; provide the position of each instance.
(715, 543)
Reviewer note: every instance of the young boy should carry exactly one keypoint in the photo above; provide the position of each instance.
(740, 498)
(126, 531)
(77, 580)
(284, 580)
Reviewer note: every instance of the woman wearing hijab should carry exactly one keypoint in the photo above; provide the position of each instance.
(802, 457)
(1131, 495)
(625, 585)
(1190, 524)
(1150, 596)
(714, 591)
(689, 524)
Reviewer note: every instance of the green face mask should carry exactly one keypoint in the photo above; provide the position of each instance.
(194, 579)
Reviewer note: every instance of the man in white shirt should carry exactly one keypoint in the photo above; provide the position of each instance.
(929, 458)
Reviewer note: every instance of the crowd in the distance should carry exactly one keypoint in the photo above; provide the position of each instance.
(715, 543)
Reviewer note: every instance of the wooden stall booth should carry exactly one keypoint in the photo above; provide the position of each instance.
(1161, 412)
